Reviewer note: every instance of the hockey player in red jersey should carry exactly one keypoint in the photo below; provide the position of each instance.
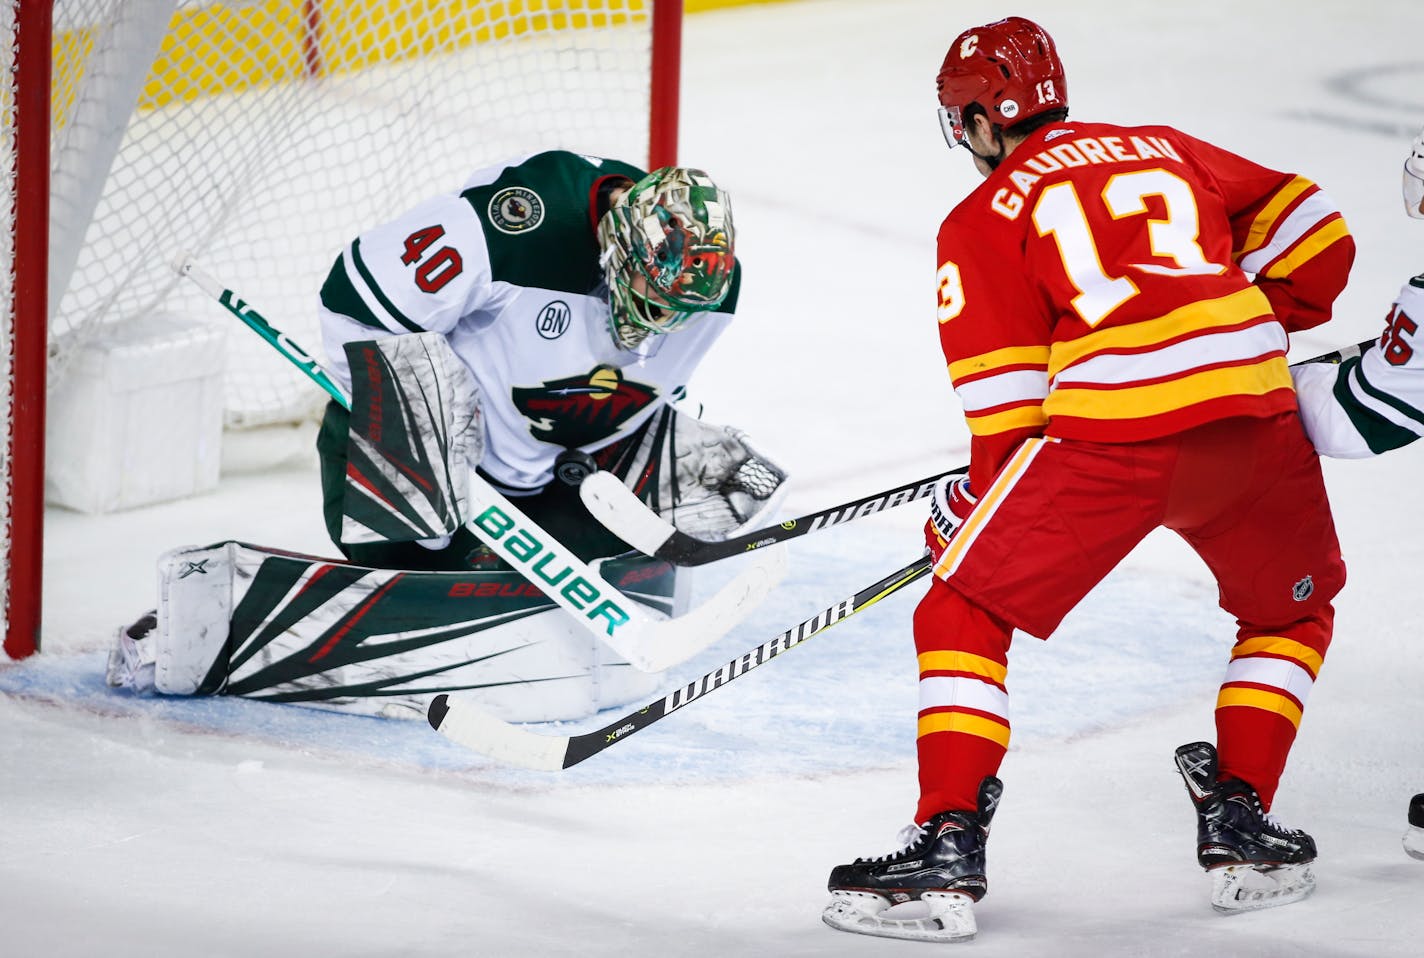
(1119, 371)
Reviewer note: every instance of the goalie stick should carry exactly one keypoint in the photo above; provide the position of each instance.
(648, 644)
(622, 512)
(476, 729)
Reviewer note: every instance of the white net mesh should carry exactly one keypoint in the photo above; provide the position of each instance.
(270, 132)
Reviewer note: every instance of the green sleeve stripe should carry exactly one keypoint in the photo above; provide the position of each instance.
(339, 296)
(1379, 433)
(370, 280)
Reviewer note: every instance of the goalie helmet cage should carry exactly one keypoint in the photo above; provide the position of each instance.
(259, 137)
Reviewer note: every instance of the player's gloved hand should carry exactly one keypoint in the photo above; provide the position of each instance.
(950, 504)
(1414, 178)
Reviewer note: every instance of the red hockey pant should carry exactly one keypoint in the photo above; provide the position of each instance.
(1246, 494)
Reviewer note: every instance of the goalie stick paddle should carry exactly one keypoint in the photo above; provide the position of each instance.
(622, 512)
(474, 728)
(646, 643)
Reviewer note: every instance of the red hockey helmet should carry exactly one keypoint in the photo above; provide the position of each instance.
(1009, 67)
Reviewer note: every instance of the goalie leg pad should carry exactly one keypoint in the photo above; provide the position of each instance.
(236, 619)
(416, 431)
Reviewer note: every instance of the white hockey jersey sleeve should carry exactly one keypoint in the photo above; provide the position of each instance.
(420, 272)
(1373, 403)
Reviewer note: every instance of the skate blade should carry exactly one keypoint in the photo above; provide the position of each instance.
(1414, 843)
(937, 916)
(1238, 888)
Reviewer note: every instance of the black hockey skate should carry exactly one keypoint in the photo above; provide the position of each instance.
(925, 891)
(1414, 838)
(1254, 862)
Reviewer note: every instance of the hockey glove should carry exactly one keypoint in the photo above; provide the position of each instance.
(950, 504)
(1414, 178)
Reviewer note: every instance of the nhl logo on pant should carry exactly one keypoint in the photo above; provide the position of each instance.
(1303, 589)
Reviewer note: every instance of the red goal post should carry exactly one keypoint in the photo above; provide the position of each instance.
(258, 136)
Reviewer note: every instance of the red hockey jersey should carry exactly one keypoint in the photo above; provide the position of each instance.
(1099, 286)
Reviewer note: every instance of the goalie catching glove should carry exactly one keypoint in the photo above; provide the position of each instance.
(704, 479)
(950, 504)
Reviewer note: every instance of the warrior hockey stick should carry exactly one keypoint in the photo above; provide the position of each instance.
(619, 508)
(470, 726)
(648, 644)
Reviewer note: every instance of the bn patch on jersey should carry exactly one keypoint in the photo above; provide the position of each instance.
(516, 209)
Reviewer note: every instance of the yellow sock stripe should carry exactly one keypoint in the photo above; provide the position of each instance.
(966, 724)
(1259, 699)
(963, 662)
(1310, 659)
(988, 503)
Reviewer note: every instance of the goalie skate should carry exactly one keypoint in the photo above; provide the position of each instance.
(927, 890)
(1254, 862)
(1414, 838)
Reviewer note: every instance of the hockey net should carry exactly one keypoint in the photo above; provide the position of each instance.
(259, 136)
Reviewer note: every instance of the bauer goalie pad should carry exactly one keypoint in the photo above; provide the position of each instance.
(416, 431)
(704, 479)
(237, 619)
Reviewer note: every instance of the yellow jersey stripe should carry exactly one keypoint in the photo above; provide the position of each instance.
(1020, 417)
(1270, 214)
(1207, 314)
(999, 359)
(1307, 249)
(1135, 402)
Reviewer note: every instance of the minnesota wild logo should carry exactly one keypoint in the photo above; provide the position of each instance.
(581, 409)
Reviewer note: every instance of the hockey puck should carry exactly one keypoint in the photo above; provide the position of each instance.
(573, 466)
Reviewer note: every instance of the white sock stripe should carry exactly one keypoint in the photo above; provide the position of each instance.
(1281, 674)
(944, 691)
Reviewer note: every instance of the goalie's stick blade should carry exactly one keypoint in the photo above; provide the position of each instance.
(468, 725)
(673, 641)
(621, 511)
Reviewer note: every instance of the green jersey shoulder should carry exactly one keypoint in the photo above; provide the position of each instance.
(539, 221)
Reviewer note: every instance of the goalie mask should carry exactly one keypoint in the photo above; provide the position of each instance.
(666, 253)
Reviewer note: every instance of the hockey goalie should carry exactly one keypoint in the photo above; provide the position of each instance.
(540, 323)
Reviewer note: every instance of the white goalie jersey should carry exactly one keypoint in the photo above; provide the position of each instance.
(1373, 403)
(507, 269)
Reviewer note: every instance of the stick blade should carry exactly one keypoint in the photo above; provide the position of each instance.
(620, 510)
(674, 641)
(475, 729)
